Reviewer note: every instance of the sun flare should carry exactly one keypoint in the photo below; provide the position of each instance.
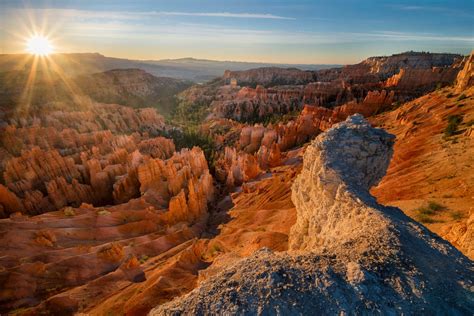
(39, 45)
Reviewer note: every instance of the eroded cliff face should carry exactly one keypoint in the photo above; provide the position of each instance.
(270, 76)
(387, 66)
(67, 158)
(78, 258)
(433, 161)
(280, 91)
(260, 147)
(348, 252)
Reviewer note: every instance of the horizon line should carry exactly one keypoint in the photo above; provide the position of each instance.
(231, 61)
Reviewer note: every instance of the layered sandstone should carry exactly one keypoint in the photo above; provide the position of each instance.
(413, 79)
(76, 259)
(430, 165)
(270, 76)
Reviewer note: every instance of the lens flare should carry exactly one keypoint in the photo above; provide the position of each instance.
(39, 45)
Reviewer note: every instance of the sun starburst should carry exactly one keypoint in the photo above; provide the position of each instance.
(39, 45)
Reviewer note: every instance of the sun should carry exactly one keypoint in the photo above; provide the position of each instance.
(39, 45)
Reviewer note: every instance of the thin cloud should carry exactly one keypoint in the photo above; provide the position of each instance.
(449, 11)
(391, 35)
(120, 15)
(226, 15)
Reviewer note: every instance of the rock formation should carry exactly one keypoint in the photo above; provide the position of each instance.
(127, 223)
(339, 168)
(253, 104)
(67, 158)
(400, 77)
(350, 254)
(85, 254)
(235, 168)
(465, 77)
(412, 79)
(270, 76)
(461, 235)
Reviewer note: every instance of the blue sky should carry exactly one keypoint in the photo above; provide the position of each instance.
(318, 31)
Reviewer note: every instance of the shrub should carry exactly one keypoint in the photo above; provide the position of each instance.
(423, 218)
(45, 238)
(69, 211)
(430, 209)
(103, 212)
(143, 259)
(453, 123)
(457, 215)
(426, 211)
(215, 248)
(450, 95)
(113, 252)
(434, 206)
(462, 97)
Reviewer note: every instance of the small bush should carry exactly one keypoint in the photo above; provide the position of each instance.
(103, 212)
(457, 215)
(423, 218)
(434, 206)
(462, 97)
(453, 123)
(143, 259)
(69, 211)
(430, 209)
(214, 249)
(426, 211)
(450, 95)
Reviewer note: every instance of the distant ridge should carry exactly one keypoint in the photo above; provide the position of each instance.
(188, 68)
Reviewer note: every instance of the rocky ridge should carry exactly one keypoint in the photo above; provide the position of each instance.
(254, 95)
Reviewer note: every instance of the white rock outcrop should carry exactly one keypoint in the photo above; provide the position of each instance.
(331, 194)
